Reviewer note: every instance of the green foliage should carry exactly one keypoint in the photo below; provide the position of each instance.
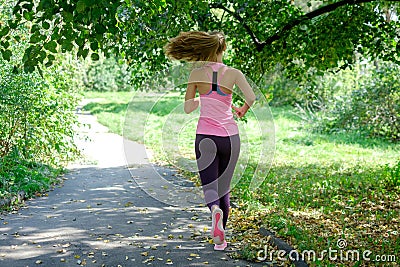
(17, 174)
(37, 115)
(37, 108)
(299, 35)
(373, 108)
(312, 95)
(391, 176)
(280, 90)
(37, 120)
(107, 74)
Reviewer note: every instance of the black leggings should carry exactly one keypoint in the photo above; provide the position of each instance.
(216, 159)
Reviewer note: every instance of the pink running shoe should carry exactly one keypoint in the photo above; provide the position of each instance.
(221, 247)
(217, 229)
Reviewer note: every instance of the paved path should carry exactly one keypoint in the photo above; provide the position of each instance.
(112, 210)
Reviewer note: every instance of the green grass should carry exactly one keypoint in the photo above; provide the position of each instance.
(320, 187)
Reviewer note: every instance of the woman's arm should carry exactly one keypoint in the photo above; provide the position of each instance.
(249, 95)
(191, 103)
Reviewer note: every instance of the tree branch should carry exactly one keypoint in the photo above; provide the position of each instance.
(241, 20)
(313, 14)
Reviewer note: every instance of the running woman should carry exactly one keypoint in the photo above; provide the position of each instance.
(217, 143)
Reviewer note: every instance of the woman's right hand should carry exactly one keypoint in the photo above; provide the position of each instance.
(241, 111)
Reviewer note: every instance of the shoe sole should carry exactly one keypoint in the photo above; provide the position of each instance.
(221, 247)
(218, 235)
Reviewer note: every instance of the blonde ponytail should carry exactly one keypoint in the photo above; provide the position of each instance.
(196, 46)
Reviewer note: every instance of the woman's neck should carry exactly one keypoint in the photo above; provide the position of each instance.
(219, 58)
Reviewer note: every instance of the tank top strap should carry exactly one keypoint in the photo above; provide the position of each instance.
(215, 86)
(214, 79)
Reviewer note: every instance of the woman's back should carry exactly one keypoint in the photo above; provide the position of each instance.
(202, 77)
(216, 117)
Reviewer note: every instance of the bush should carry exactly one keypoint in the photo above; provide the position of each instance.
(37, 115)
(17, 174)
(281, 90)
(373, 109)
(37, 120)
(107, 74)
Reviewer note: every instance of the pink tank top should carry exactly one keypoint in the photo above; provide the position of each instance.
(216, 117)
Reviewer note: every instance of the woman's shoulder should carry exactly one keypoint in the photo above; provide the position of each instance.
(234, 73)
(233, 70)
(200, 70)
(196, 72)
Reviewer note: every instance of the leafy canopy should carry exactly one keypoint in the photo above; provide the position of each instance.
(297, 35)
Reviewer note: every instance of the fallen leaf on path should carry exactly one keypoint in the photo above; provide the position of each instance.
(152, 258)
(128, 204)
